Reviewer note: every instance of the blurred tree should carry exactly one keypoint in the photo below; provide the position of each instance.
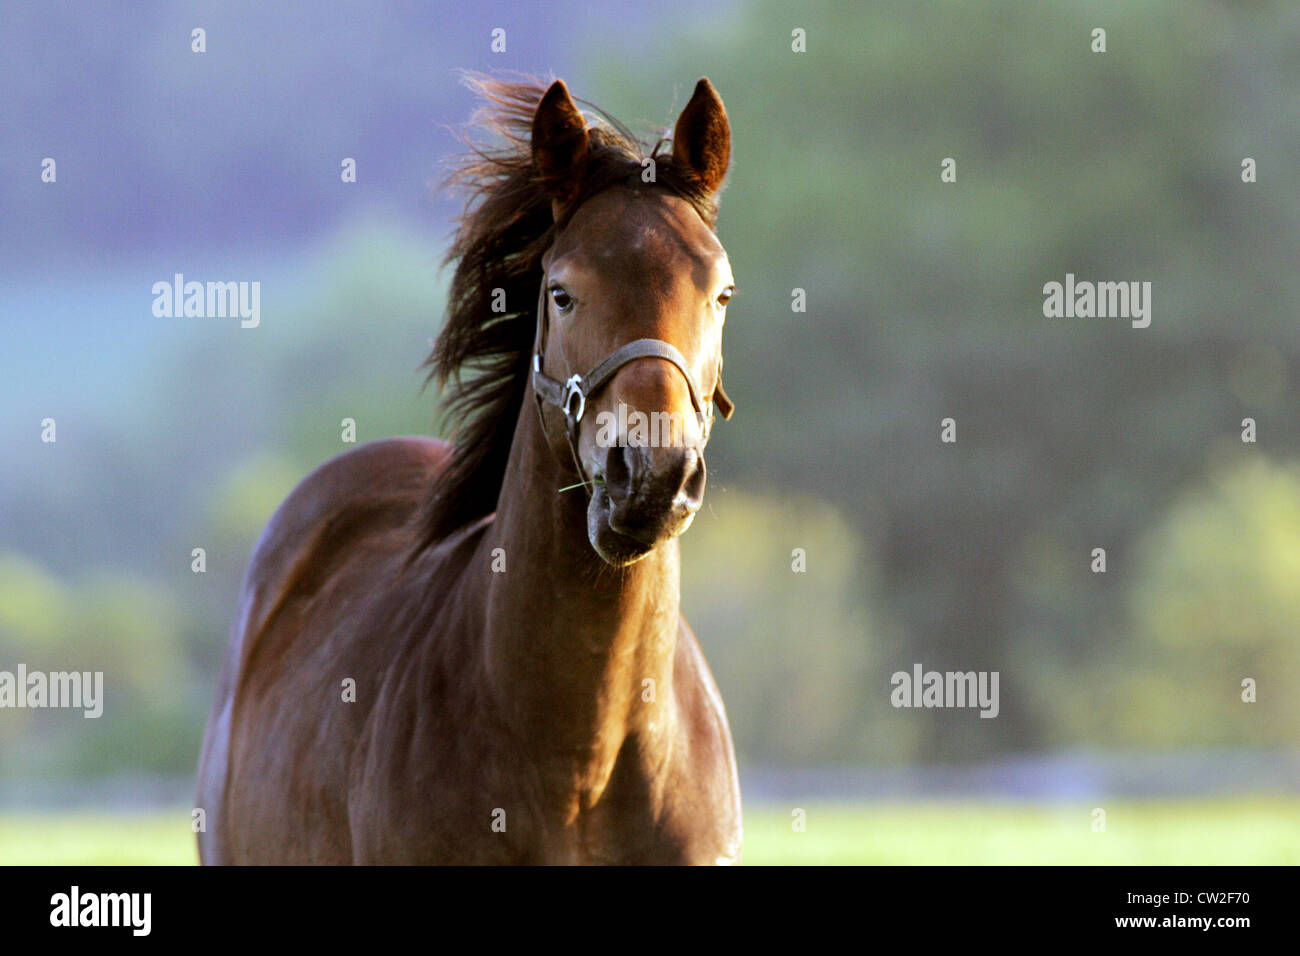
(777, 588)
(924, 301)
(925, 298)
(1219, 603)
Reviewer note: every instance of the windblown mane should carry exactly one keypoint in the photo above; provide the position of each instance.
(502, 234)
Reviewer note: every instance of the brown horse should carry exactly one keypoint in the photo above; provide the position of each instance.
(474, 653)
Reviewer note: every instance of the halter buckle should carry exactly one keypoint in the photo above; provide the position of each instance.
(571, 388)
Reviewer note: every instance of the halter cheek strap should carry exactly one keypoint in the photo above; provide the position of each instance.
(571, 395)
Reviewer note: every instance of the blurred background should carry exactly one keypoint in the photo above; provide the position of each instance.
(1119, 691)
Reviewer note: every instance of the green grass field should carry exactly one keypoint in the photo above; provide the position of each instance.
(1263, 830)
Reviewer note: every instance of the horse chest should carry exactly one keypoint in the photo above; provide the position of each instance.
(509, 808)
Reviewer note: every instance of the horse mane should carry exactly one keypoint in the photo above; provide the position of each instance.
(505, 228)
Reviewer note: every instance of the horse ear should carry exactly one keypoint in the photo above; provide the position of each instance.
(559, 142)
(702, 138)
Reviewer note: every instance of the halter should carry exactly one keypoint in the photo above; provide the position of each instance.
(571, 395)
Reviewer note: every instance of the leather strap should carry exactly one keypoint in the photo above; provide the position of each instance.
(582, 387)
(571, 395)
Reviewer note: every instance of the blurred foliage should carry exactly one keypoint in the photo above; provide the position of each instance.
(1220, 596)
(793, 651)
(924, 302)
(128, 628)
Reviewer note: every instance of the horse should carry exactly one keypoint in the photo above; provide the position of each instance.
(473, 652)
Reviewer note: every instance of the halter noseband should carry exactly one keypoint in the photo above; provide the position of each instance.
(571, 395)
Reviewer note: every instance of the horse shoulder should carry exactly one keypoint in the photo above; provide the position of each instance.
(374, 489)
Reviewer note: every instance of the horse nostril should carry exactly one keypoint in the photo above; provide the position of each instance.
(696, 474)
(618, 473)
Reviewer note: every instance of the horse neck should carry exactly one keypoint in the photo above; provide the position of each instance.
(571, 641)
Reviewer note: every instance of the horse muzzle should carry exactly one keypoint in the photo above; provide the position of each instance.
(643, 497)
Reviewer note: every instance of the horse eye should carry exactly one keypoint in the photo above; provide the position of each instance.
(563, 301)
(725, 295)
